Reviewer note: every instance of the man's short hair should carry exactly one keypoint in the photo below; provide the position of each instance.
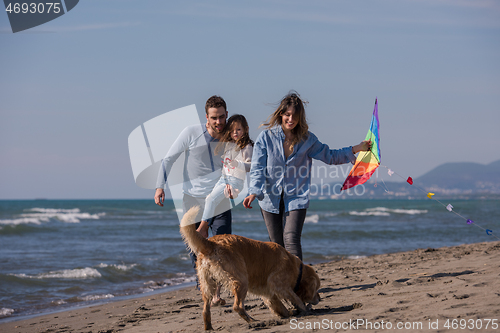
(215, 102)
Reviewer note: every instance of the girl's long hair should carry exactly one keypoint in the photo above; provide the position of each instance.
(300, 131)
(245, 138)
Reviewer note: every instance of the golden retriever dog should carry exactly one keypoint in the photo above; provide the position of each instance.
(244, 265)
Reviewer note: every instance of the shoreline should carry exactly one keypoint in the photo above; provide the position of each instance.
(96, 303)
(86, 304)
(425, 286)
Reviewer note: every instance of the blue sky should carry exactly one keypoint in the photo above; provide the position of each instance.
(73, 89)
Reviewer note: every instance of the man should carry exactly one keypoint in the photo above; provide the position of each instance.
(202, 169)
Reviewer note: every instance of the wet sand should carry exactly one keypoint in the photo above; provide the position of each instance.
(426, 290)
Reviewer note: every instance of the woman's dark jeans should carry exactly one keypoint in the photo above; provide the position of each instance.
(285, 229)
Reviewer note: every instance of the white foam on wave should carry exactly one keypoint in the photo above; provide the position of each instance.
(369, 213)
(312, 219)
(180, 278)
(60, 302)
(5, 312)
(40, 215)
(53, 210)
(383, 211)
(96, 297)
(78, 273)
(119, 267)
(354, 257)
(22, 221)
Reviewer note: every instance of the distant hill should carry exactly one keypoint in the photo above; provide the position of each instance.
(451, 179)
(463, 176)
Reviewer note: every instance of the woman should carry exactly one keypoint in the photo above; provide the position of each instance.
(280, 175)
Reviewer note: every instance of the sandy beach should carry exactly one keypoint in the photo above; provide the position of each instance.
(426, 290)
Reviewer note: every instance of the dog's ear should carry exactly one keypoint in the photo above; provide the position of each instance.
(309, 285)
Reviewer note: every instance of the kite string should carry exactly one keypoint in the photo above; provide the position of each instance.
(446, 206)
(375, 136)
(382, 179)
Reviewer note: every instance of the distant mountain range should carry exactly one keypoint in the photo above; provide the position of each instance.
(452, 179)
(463, 176)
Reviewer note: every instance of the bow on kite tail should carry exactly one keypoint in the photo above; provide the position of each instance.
(366, 162)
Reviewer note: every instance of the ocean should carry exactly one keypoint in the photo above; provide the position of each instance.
(58, 254)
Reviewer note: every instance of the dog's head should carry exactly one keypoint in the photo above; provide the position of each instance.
(309, 286)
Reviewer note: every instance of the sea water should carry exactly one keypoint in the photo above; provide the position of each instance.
(56, 254)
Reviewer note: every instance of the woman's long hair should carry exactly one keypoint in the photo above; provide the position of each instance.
(300, 131)
(245, 138)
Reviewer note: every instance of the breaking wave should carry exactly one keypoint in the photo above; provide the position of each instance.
(176, 280)
(5, 312)
(118, 267)
(96, 297)
(312, 219)
(383, 211)
(40, 215)
(78, 273)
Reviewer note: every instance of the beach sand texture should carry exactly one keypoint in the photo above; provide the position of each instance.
(421, 291)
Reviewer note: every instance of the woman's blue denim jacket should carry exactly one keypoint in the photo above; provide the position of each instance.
(271, 175)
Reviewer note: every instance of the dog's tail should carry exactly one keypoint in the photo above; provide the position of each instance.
(196, 242)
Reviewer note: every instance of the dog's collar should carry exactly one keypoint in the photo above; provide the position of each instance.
(296, 288)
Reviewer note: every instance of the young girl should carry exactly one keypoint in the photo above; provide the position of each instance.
(237, 156)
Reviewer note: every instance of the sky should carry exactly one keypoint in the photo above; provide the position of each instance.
(73, 89)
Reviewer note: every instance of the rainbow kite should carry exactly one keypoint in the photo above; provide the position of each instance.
(367, 161)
